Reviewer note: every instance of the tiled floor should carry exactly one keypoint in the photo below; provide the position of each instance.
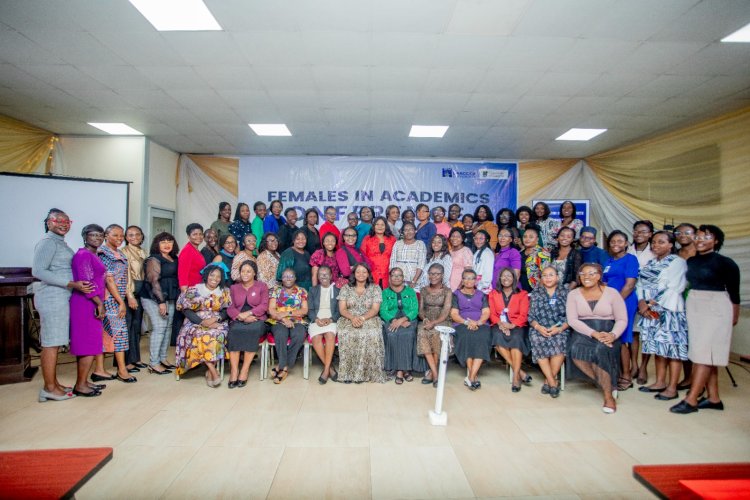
(302, 440)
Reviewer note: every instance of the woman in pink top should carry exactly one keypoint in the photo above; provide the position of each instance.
(462, 257)
(438, 217)
(598, 316)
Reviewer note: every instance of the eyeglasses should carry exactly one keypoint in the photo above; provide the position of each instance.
(588, 237)
(689, 232)
(96, 234)
(287, 277)
(705, 237)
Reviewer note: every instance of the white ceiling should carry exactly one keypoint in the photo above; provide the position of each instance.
(349, 77)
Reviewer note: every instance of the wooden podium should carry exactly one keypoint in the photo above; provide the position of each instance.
(15, 288)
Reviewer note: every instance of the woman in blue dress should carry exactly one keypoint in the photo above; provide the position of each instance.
(621, 273)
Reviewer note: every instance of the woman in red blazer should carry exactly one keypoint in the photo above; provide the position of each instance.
(509, 311)
(377, 247)
(191, 261)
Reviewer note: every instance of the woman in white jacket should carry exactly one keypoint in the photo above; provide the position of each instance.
(662, 319)
(484, 261)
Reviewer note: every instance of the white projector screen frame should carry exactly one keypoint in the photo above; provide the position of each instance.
(26, 199)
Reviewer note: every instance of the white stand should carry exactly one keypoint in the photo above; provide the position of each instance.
(438, 416)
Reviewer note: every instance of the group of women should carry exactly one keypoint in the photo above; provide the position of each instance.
(520, 284)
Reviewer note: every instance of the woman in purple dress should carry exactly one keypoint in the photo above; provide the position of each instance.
(470, 313)
(87, 310)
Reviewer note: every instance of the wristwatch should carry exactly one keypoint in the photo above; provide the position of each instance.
(466, 322)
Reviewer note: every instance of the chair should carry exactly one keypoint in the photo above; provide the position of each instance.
(266, 356)
(221, 368)
(306, 357)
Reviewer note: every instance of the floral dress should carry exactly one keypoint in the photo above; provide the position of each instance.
(532, 265)
(198, 344)
(361, 350)
(548, 312)
(268, 264)
(114, 327)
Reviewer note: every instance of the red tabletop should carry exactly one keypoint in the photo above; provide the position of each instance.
(664, 480)
(719, 489)
(41, 474)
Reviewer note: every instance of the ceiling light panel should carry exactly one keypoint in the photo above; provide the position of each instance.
(177, 15)
(116, 128)
(581, 134)
(270, 129)
(428, 130)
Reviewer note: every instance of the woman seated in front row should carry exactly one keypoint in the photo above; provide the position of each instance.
(248, 314)
(549, 331)
(203, 334)
(598, 317)
(399, 311)
(470, 312)
(287, 308)
(434, 309)
(361, 350)
(323, 313)
(509, 310)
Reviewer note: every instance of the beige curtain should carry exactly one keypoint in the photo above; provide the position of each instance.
(24, 148)
(698, 174)
(220, 169)
(533, 176)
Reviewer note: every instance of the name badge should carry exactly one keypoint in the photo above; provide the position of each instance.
(252, 294)
(552, 302)
(606, 270)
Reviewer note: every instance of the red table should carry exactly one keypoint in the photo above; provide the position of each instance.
(664, 480)
(49, 473)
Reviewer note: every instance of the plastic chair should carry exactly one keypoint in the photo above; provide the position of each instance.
(306, 357)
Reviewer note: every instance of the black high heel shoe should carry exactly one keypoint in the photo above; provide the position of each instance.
(129, 380)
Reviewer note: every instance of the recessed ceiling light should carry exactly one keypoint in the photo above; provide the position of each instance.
(428, 130)
(270, 129)
(177, 15)
(116, 128)
(741, 35)
(581, 134)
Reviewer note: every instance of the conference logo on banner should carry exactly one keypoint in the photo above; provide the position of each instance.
(349, 184)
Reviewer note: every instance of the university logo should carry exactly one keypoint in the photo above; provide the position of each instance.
(448, 172)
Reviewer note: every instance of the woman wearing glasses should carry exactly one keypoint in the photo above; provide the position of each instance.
(598, 317)
(52, 267)
(713, 308)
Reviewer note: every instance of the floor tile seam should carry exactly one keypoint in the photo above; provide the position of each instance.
(163, 493)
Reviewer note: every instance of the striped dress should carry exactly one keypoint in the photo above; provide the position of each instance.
(117, 328)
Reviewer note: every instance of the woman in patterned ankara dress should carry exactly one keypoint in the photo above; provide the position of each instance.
(661, 309)
(115, 324)
(361, 348)
(534, 258)
(204, 332)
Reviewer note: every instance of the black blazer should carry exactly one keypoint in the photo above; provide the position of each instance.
(313, 303)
